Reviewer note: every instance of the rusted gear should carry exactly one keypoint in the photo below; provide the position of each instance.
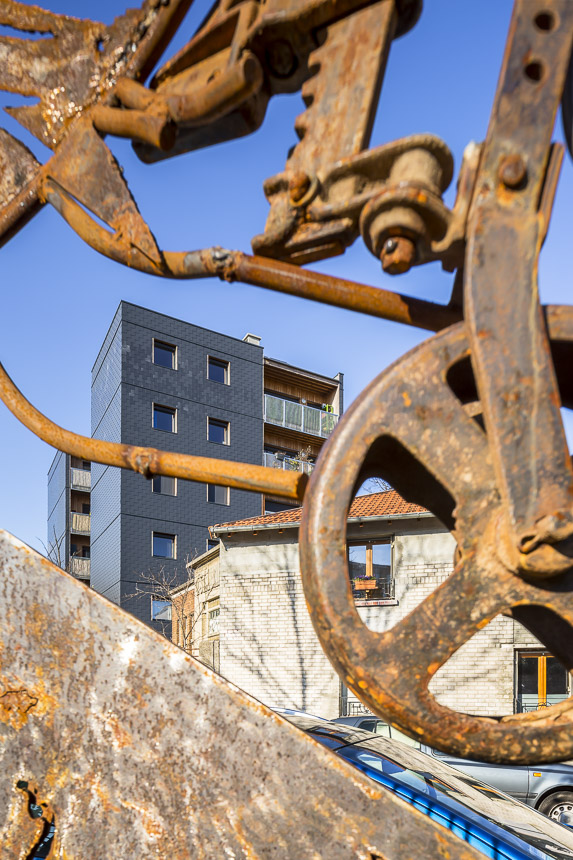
(412, 426)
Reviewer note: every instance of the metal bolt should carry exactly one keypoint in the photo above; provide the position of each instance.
(512, 171)
(281, 59)
(398, 255)
(298, 185)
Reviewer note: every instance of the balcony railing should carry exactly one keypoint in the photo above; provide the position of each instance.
(81, 479)
(80, 567)
(290, 464)
(298, 416)
(80, 523)
(523, 704)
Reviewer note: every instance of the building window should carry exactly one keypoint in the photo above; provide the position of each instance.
(217, 370)
(160, 610)
(218, 431)
(213, 620)
(164, 485)
(163, 545)
(164, 354)
(217, 495)
(164, 418)
(370, 571)
(272, 507)
(212, 543)
(541, 681)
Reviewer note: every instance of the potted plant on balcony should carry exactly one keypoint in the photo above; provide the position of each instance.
(363, 584)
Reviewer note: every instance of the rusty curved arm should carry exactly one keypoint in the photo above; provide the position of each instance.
(258, 271)
(151, 461)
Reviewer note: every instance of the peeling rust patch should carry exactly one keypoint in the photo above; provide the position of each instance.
(15, 706)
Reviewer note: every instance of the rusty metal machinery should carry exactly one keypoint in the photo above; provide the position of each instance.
(467, 424)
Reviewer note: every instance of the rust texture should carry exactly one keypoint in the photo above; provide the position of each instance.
(467, 424)
(114, 748)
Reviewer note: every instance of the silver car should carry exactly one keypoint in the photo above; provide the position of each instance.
(548, 787)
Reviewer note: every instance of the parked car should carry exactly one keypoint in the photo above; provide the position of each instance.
(548, 787)
(489, 820)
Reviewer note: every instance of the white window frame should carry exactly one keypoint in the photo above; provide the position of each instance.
(164, 534)
(171, 495)
(163, 406)
(227, 372)
(227, 503)
(155, 340)
(227, 430)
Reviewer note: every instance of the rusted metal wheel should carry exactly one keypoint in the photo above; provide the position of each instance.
(418, 425)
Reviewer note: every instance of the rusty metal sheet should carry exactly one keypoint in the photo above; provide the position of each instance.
(137, 750)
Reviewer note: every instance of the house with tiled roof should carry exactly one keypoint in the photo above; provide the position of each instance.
(251, 623)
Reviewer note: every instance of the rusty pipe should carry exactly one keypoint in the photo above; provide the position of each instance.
(286, 278)
(258, 271)
(153, 128)
(151, 461)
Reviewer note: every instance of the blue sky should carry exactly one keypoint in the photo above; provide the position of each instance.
(59, 296)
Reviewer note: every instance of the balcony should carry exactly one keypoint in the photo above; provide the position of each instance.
(81, 479)
(80, 523)
(299, 417)
(289, 464)
(80, 567)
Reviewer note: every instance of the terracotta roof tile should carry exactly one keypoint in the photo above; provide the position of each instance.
(389, 503)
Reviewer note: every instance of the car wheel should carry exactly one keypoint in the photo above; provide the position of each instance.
(557, 805)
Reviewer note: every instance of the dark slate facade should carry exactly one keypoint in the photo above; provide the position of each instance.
(126, 383)
(58, 508)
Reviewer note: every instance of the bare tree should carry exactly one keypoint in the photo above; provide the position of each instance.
(186, 612)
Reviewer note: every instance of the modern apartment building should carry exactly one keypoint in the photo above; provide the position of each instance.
(301, 409)
(69, 505)
(169, 384)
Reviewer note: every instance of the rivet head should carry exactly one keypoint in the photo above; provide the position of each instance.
(512, 171)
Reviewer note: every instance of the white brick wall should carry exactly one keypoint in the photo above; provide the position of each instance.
(269, 648)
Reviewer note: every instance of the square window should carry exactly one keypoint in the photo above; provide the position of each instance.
(164, 418)
(164, 354)
(163, 545)
(218, 431)
(211, 544)
(217, 370)
(370, 570)
(217, 495)
(163, 484)
(213, 626)
(160, 610)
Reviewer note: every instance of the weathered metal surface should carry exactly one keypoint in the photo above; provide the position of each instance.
(411, 427)
(510, 350)
(137, 750)
(468, 424)
(72, 71)
(508, 497)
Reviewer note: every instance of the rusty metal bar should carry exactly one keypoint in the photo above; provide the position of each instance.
(510, 348)
(258, 271)
(352, 296)
(151, 461)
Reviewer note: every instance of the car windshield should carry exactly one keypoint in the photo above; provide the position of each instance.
(446, 793)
